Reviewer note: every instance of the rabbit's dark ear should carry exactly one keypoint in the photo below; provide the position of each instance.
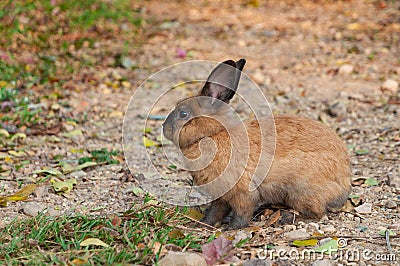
(223, 80)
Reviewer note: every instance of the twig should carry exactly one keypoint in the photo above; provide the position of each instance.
(188, 229)
(213, 229)
(204, 224)
(387, 237)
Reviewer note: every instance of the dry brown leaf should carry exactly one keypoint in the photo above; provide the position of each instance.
(116, 221)
(273, 218)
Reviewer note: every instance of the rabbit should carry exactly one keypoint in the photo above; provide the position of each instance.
(310, 167)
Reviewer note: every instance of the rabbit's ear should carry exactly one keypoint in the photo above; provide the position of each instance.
(223, 80)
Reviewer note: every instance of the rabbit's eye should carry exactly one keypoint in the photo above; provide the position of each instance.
(183, 115)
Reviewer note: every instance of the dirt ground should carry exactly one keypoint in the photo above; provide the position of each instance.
(328, 60)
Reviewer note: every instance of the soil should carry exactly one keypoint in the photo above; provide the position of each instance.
(327, 60)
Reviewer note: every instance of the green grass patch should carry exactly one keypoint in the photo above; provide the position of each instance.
(130, 238)
(15, 109)
(40, 38)
(101, 156)
(43, 21)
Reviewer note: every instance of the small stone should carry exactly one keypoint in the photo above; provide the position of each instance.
(296, 234)
(281, 100)
(337, 109)
(33, 208)
(127, 63)
(53, 212)
(364, 208)
(78, 174)
(328, 228)
(391, 204)
(41, 192)
(390, 85)
(258, 77)
(289, 227)
(346, 69)
(312, 226)
(68, 127)
(325, 262)
(182, 259)
(324, 218)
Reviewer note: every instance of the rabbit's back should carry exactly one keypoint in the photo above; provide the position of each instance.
(310, 171)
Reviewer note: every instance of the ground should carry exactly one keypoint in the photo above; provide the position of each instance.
(334, 61)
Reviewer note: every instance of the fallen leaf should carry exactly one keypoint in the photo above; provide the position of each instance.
(176, 234)
(93, 242)
(26, 191)
(273, 218)
(50, 171)
(163, 141)
(358, 181)
(141, 245)
(371, 182)
(73, 150)
(180, 53)
(116, 114)
(4, 132)
(361, 152)
(362, 228)
(63, 186)
(364, 208)
(328, 247)
(194, 214)
(305, 243)
(148, 142)
(383, 232)
(353, 26)
(156, 247)
(73, 133)
(78, 261)
(17, 153)
(20, 195)
(67, 168)
(137, 191)
(116, 221)
(217, 250)
(147, 130)
(21, 136)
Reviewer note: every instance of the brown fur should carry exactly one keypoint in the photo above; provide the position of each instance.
(310, 171)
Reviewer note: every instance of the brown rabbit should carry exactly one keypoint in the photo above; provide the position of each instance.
(310, 170)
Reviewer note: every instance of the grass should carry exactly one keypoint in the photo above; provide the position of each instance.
(132, 238)
(38, 46)
(15, 110)
(50, 33)
(101, 156)
(40, 51)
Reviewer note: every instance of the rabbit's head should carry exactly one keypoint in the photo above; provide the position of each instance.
(208, 113)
